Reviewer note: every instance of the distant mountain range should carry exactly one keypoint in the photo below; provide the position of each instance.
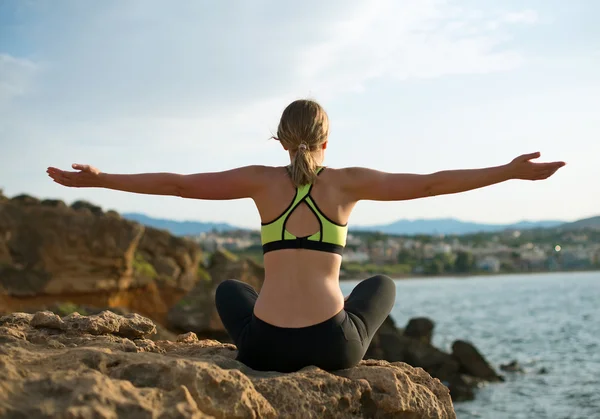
(447, 226)
(452, 226)
(592, 222)
(178, 228)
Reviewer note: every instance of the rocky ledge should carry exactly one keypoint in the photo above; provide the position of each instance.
(104, 366)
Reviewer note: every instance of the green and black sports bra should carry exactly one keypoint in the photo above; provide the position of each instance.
(331, 236)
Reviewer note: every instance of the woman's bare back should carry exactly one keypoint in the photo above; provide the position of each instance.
(301, 286)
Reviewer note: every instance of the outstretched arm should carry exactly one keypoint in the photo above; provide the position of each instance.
(238, 183)
(381, 186)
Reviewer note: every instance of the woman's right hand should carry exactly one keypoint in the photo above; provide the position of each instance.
(523, 168)
(84, 176)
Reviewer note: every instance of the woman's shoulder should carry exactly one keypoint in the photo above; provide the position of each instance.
(344, 174)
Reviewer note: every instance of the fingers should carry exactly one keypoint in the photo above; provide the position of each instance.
(83, 167)
(61, 177)
(527, 157)
(545, 170)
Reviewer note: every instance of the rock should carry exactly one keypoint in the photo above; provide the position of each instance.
(107, 322)
(174, 260)
(462, 388)
(512, 366)
(49, 320)
(55, 203)
(189, 337)
(25, 199)
(51, 254)
(472, 362)
(113, 214)
(16, 319)
(65, 309)
(420, 328)
(392, 344)
(56, 373)
(196, 311)
(94, 209)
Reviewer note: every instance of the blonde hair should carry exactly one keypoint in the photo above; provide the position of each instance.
(303, 128)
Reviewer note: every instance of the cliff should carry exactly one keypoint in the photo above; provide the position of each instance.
(104, 366)
(51, 253)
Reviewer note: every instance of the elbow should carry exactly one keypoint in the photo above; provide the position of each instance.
(178, 188)
(436, 184)
(181, 192)
(431, 188)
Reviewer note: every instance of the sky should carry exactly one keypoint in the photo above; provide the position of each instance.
(410, 86)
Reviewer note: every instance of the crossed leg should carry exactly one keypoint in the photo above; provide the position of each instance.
(372, 301)
(235, 303)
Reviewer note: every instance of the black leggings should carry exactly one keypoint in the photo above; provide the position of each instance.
(337, 343)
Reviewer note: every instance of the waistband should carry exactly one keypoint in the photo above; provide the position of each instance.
(325, 325)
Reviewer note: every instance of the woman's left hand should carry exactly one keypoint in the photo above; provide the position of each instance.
(85, 176)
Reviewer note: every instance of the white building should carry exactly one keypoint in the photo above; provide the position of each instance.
(355, 256)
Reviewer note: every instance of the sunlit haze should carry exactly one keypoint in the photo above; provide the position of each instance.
(409, 86)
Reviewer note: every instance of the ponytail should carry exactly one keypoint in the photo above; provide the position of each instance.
(303, 168)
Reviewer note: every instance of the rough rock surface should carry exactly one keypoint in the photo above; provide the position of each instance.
(50, 252)
(105, 367)
(196, 311)
(463, 370)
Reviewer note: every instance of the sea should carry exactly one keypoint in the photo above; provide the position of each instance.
(548, 323)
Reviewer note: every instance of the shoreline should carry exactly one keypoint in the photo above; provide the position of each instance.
(451, 275)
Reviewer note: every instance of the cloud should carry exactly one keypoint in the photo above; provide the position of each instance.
(525, 16)
(15, 77)
(423, 40)
(139, 70)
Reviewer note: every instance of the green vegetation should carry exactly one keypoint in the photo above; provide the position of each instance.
(229, 255)
(142, 267)
(185, 302)
(203, 274)
(509, 251)
(355, 268)
(254, 253)
(67, 307)
(465, 262)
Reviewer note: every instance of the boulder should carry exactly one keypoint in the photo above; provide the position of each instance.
(51, 253)
(25, 199)
(85, 205)
(55, 203)
(420, 328)
(393, 344)
(196, 312)
(98, 371)
(472, 362)
(512, 366)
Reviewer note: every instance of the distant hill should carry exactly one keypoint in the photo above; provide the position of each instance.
(592, 222)
(447, 226)
(178, 228)
(451, 226)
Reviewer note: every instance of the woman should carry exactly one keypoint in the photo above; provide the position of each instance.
(300, 317)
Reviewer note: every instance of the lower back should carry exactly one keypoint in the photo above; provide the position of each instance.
(301, 288)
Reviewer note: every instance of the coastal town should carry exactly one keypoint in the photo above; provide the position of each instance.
(510, 251)
(538, 250)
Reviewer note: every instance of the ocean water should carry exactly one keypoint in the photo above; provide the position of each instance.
(549, 321)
